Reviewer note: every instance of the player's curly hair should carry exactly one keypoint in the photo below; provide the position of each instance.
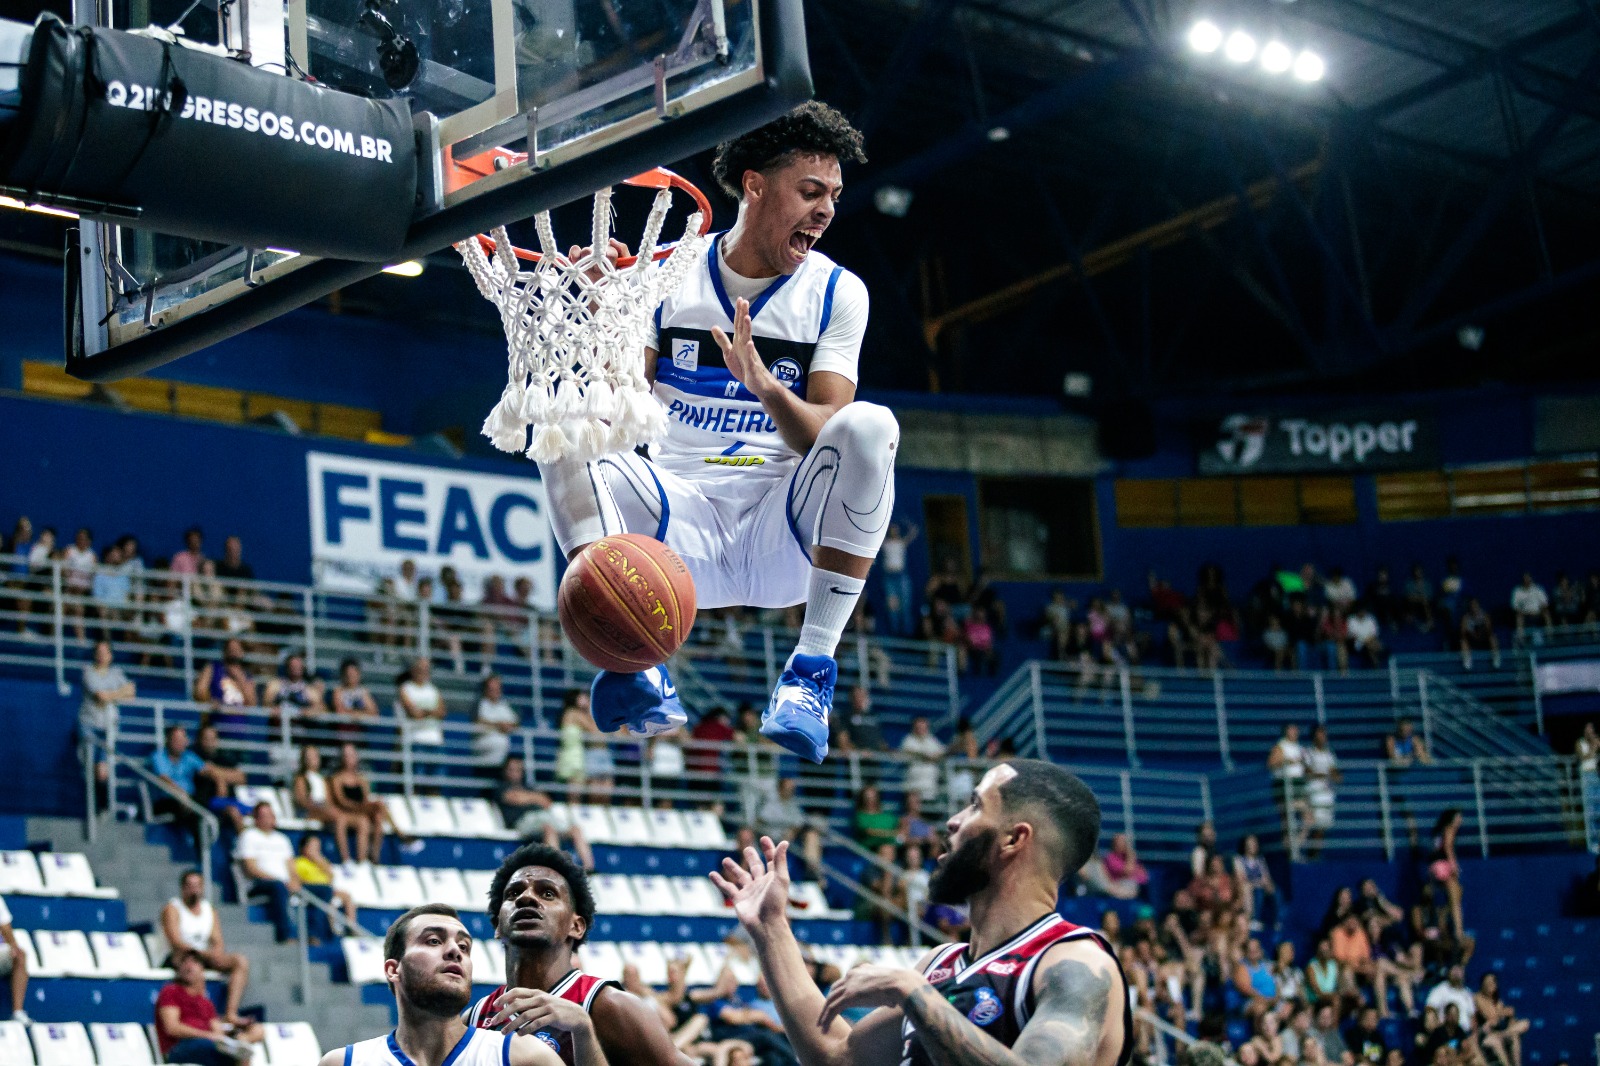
(538, 854)
(813, 128)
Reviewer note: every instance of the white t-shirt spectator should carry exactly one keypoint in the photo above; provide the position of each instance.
(423, 698)
(666, 757)
(892, 555)
(922, 776)
(490, 744)
(1527, 600)
(1443, 995)
(271, 852)
(1340, 591)
(1320, 765)
(95, 681)
(39, 557)
(1362, 629)
(1294, 760)
(78, 568)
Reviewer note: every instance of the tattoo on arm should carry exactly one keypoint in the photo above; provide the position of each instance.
(1065, 1029)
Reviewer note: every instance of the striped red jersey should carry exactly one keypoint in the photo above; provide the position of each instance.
(577, 987)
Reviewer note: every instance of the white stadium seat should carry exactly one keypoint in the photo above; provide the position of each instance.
(561, 816)
(477, 817)
(363, 957)
(29, 952)
(357, 879)
(667, 829)
(478, 884)
(67, 873)
(654, 893)
(807, 900)
(399, 887)
(704, 830)
(745, 970)
(122, 955)
(595, 823)
(441, 885)
(603, 959)
(65, 952)
(14, 1044)
(399, 813)
(19, 874)
(648, 957)
(61, 1043)
(613, 894)
(706, 963)
(121, 1044)
(698, 896)
(431, 817)
(698, 963)
(292, 1044)
(250, 795)
(628, 826)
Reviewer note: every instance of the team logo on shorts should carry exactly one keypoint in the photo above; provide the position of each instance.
(787, 371)
(549, 1039)
(988, 1008)
(686, 354)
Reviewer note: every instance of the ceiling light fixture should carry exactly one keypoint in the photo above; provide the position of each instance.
(1276, 57)
(411, 268)
(1308, 66)
(1240, 47)
(1205, 37)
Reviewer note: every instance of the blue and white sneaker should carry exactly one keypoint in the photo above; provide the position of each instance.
(797, 715)
(643, 704)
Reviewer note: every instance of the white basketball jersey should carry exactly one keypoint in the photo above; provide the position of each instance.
(479, 1047)
(715, 425)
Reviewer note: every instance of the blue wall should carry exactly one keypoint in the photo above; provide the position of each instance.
(43, 776)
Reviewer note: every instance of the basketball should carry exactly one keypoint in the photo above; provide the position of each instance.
(626, 603)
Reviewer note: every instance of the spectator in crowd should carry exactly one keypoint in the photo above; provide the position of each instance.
(1325, 978)
(874, 826)
(218, 777)
(1338, 590)
(947, 585)
(915, 828)
(496, 721)
(779, 815)
(1301, 625)
(924, 751)
(528, 812)
(1275, 641)
(1321, 775)
(1215, 891)
(176, 765)
(962, 775)
(232, 567)
(351, 793)
(704, 762)
(1419, 598)
(312, 801)
(1443, 868)
(187, 1026)
(1587, 752)
(862, 724)
(1361, 630)
(112, 591)
(1333, 634)
(350, 698)
(1118, 873)
(1253, 980)
(1290, 979)
(1325, 1030)
(1431, 926)
(596, 770)
(192, 926)
(1205, 846)
(1531, 607)
(295, 692)
(1476, 633)
(1404, 747)
(226, 684)
(104, 686)
(13, 966)
(1386, 606)
(29, 575)
(1567, 605)
(78, 564)
(1353, 948)
(265, 856)
(421, 710)
(1057, 623)
(316, 872)
(1366, 1040)
(189, 559)
(897, 578)
(1453, 992)
(977, 636)
(1451, 1033)
(1498, 1025)
(1286, 763)
(732, 1018)
(1256, 888)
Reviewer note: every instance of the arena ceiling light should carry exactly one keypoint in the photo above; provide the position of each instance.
(38, 209)
(1276, 57)
(411, 268)
(1242, 45)
(1205, 36)
(1308, 66)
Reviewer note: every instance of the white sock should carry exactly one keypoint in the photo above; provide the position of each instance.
(830, 602)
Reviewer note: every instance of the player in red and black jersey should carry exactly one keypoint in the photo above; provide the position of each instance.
(1029, 988)
(542, 911)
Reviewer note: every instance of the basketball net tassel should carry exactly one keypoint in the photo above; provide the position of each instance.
(576, 332)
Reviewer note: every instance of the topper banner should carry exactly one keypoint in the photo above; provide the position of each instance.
(1281, 442)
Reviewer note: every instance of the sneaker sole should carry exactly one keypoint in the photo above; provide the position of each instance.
(795, 742)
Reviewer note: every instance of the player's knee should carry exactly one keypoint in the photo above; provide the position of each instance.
(869, 427)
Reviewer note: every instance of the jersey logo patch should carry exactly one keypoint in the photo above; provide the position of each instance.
(686, 354)
(941, 974)
(786, 370)
(1004, 969)
(550, 1041)
(988, 1008)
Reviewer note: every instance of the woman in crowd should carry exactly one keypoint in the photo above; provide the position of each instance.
(313, 868)
(311, 801)
(350, 698)
(496, 721)
(352, 795)
(1443, 869)
(1256, 890)
(874, 826)
(1500, 1030)
(1215, 890)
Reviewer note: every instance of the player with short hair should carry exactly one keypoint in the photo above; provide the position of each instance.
(773, 483)
(1030, 987)
(542, 911)
(427, 962)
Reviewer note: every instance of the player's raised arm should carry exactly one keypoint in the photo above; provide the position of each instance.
(759, 892)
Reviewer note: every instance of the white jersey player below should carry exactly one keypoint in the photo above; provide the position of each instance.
(773, 483)
(428, 965)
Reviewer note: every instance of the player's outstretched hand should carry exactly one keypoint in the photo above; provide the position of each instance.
(528, 1010)
(740, 355)
(868, 986)
(614, 251)
(758, 890)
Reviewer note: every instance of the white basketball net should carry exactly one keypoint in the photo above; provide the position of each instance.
(576, 343)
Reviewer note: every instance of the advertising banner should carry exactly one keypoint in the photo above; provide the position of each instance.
(1319, 442)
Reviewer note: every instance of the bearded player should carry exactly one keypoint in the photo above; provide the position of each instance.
(427, 961)
(772, 482)
(1029, 988)
(542, 911)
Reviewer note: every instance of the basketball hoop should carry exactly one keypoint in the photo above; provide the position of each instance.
(576, 330)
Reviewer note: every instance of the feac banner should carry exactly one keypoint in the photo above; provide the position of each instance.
(1282, 442)
(368, 517)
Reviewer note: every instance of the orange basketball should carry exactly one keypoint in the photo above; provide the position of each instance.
(626, 602)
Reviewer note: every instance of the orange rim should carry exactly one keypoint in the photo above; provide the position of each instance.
(460, 173)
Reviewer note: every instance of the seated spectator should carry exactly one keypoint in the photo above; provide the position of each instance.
(350, 698)
(13, 966)
(1404, 747)
(1419, 598)
(78, 564)
(1530, 605)
(1125, 875)
(1257, 990)
(192, 926)
(1275, 640)
(421, 709)
(1301, 626)
(295, 692)
(218, 777)
(779, 814)
(1386, 605)
(1353, 948)
(704, 759)
(925, 750)
(755, 1023)
(977, 636)
(1215, 891)
(312, 802)
(265, 856)
(1431, 925)
(1366, 1040)
(232, 567)
(915, 828)
(1325, 1031)
(940, 626)
(1567, 606)
(1361, 629)
(351, 792)
(862, 724)
(314, 870)
(1256, 888)
(1454, 1032)
(1205, 846)
(104, 686)
(960, 756)
(1289, 978)
(1476, 633)
(874, 826)
(176, 765)
(496, 721)
(1338, 590)
(1326, 980)
(527, 811)
(1333, 635)
(112, 591)
(1499, 1028)
(189, 559)
(1453, 992)
(226, 684)
(187, 1026)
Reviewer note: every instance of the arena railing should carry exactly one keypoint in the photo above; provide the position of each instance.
(92, 748)
(172, 624)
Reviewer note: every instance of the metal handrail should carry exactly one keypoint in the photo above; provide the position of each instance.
(917, 925)
(210, 829)
(301, 900)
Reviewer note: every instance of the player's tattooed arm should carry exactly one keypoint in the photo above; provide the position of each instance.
(1073, 997)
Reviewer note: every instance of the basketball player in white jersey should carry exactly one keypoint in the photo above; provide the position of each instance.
(427, 957)
(1029, 988)
(542, 911)
(772, 483)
